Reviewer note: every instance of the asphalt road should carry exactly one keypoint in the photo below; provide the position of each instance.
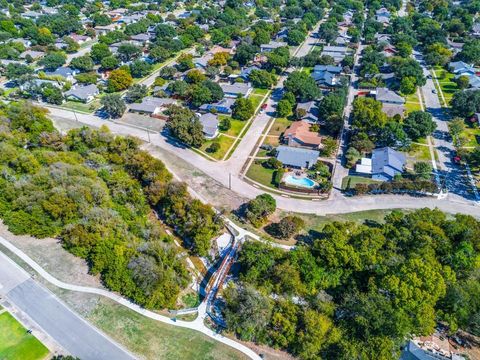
(68, 329)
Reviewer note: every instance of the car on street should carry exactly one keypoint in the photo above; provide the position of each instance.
(434, 91)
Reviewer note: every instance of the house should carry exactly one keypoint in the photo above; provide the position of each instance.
(299, 135)
(141, 38)
(237, 89)
(31, 14)
(35, 55)
(338, 53)
(150, 105)
(272, 45)
(327, 75)
(475, 30)
(65, 72)
(80, 39)
(389, 50)
(308, 111)
(83, 94)
(384, 164)
(245, 74)
(383, 38)
(393, 109)
(210, 125)
(102, 30)
(202, 62)
(434, 346)
(382, 15)
(224, 106)
(387, 96)
(297, 157)
(461, 68)
(34, 84)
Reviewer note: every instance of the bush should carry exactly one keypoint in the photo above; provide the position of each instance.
(285, 228)
(272, 163)
(214, 147)
(277, 176)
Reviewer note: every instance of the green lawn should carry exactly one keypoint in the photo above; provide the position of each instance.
(81, 107)
(16, 343)
(409, 106)
(279, 126)
(260, 174)
(256, 100)
(155, 340)
(262, 92)
(225, 144)
(445, 79)
(420, 152)
(473, 135)
(236, 126)
(350, 181)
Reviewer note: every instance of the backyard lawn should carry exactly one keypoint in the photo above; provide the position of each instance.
(256, 100)
(16, 343)
(473, 135)
(412, 103)
(81, 107)
(260, 174)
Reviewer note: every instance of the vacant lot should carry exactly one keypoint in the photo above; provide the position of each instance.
(16, 343)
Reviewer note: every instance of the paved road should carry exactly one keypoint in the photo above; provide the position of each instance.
(69, 330)
(197, 325)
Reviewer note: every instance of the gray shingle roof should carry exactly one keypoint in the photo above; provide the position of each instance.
(237, 88)
(297, 157)
(388, 96)
(388, 161)
(209, 123)
(83, 92)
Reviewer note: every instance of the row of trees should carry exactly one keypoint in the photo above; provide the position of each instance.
(358, 291)
(95, 192)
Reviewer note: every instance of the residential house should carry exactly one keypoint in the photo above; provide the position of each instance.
(299, 135)
(223, 106)
(245, 73)
(384, 164)
(80, 39)
(297, 157)
(382, 15)
(83, 94)
(152, 106)
(35, 55)
(202, 62)
(461, 68)
(308, 111)
(383, 38)
(141, 39)
(392, 103)
(272, 45)
(66, 72)
(102, 30)
(475, 30)
(435, 347)
(326, 75)
(209, 123)
(34, 15)
(236, 89)
(34, 84)
(338, 53)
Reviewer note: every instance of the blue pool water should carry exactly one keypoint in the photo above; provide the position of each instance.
(300, 182)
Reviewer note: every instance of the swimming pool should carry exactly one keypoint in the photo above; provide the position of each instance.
(300, 182)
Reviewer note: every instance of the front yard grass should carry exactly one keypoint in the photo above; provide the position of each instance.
(447, 85)
(262, 92)
(225, 144)
(257, 172)
(349, 182)
(81, 107)
(473, 135)
(256, 100)
(16, 343)
(236, 126)
(279, 126)
(419, 152)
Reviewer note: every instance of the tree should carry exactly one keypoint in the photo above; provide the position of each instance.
(286, 228)
(109, 63)
(99, 52)
(368, 115)
(302, 86)
(52, 60)
(51, 94)
(219, 59)
(195, 76)
(465, 103)
(119, 80)
(127, 52)
(245, 53)
(114, 105)
(295, 37)
(185, 62)
(17, 71)
(407, 85)
(262, 79)
(437, 54)
(159, 54)
(82, 63)
(136, 93)
(423, 170)
(352, 155)
(284, 108)
(470, 52)
(462, 82)
(140, 68)
(260, 208)
(243, 109)
(278, 58)
(419, 124)
(87, 78)
(185, 126)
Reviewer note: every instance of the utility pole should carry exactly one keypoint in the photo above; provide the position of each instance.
(75, 114)
(230, 181)
(148, 134)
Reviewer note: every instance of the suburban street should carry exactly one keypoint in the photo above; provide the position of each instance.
(53, 317)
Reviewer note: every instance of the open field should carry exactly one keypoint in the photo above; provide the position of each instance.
(16, 343)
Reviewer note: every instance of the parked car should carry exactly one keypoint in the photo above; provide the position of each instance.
(434, 91)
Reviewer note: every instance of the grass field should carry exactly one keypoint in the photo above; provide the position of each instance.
(473, 135)
(279, 126)
(412, 103)
(225, 144)
(16, 343)
(236, 126)
(420, 152)
(260, 174)
(155, 340)
(351, 181)
(262, 92)
(445, 79)
(81, 107)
